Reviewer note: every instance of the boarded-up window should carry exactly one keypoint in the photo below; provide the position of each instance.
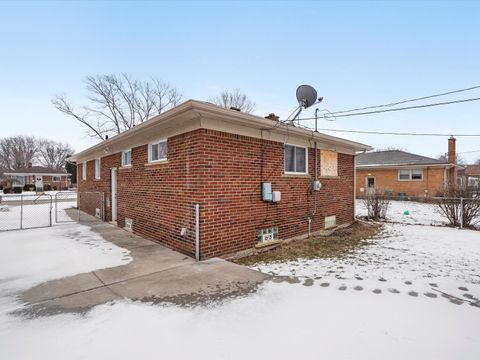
(328, 163)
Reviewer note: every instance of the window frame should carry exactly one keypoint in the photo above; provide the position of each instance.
(295, 160)
(410, 174)
(123, 158)
(98, 168)
(157, 142)
(56, 178)
(84, 170)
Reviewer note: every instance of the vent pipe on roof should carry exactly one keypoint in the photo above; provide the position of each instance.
(235, 108)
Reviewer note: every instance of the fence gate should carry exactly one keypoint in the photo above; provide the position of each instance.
(25, 211)
(66, 206)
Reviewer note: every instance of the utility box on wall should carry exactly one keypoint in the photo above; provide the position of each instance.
(267, 191)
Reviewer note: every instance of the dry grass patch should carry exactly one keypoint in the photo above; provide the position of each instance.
(341, 242)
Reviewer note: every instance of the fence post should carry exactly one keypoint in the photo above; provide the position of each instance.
(21, 212)
(461, 213)
(50, 215)
(102, 208)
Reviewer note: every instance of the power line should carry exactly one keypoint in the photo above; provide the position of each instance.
(406, 101)
(469, 152)
(396, 133)
(399, 109)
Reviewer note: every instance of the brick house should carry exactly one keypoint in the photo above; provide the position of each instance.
(405, 174)
(252, 178)
(39, 176)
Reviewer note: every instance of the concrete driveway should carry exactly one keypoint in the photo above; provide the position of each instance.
(156, 274)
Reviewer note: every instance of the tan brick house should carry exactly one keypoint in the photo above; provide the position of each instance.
(252, 178)
(405, 174)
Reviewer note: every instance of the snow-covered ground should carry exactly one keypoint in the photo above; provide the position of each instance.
(31, 195)
(334, 312)
(408, 212)
(34, 212)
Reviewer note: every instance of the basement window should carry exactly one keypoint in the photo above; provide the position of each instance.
(157, 151)
(97, 168)
(410, 175)
(295, 158)
(127, 157)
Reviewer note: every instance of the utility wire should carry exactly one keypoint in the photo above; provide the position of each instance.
(396, 133)
(397, 109)
(406, 101)
(469, 152)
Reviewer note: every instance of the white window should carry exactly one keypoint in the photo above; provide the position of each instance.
(127, 157)
(56, 178)
(295, 158)
(157, 151)
(97, 168)
(410, 174)
(328, 163)
(84, 170)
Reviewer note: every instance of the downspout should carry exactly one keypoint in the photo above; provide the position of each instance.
(355, 182)
(197, 232)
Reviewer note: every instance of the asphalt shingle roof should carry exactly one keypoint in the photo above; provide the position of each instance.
(394, 157)
(37, 170)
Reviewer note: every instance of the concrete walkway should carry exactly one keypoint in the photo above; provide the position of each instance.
(156, 274)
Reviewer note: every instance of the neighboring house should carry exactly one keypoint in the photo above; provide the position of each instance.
(39, 176)
(400, 173)
(469, 175)
(252, 178)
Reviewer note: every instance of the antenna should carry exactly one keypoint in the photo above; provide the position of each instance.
(306, 97)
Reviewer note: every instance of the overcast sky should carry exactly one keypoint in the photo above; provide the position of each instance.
(355, 54)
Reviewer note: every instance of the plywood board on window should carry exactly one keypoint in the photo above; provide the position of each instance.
(328, 163)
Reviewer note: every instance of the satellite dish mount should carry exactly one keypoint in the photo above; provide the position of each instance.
(306, 97)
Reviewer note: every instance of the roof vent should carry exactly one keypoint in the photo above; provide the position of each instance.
(234, 108)
(272, 116)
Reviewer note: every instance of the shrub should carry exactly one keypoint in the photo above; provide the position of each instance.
(376, 204)
(17, 189)
(461, 206)
(47, 187)
(29, 187)
(7, 190)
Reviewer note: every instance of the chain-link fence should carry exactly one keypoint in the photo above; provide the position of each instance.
(91, 206)
(30, 211)
(25, 211)
(436, 211)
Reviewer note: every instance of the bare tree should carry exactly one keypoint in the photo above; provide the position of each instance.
(234, 98)
(53, 154)
(17, 152)
(118, 103)
(444, 158)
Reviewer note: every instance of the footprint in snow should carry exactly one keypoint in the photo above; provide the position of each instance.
(358, 288)
(430, 295)
(413, 293)
(394, 291)
(325, 284)
(377, 291)
(408, 282)
(463, 288)
(342, 288)
(308, 282)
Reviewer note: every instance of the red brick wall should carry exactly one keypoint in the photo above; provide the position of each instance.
(223, 173)
(234, 168)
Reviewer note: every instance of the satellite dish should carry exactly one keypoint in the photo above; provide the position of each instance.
(306, 96)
